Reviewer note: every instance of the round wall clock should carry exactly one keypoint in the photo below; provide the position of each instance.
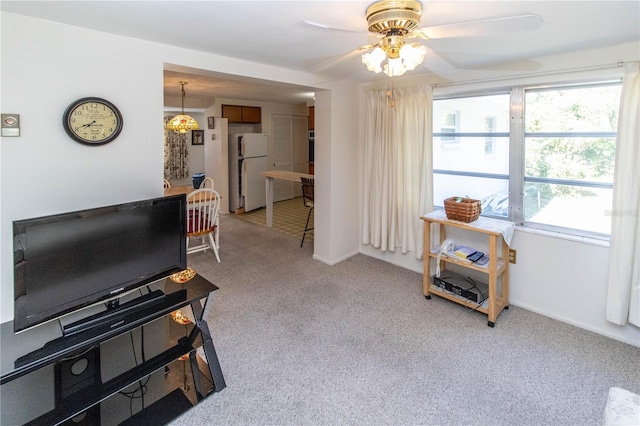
(92, 121)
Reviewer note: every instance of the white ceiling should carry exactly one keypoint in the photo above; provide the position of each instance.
(275, 33)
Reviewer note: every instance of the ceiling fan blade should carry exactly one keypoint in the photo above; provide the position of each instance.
(481, 27)
(340, 58)
(436, 63)
(332, 27)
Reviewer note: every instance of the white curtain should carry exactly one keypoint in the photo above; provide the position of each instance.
(623, 293)
(397, 168)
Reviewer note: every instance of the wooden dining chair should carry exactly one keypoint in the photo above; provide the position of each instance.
(307, 199)
(207, 183)
(203, 206)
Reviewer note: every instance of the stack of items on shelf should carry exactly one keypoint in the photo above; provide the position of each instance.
(471, 255)
(467, 254)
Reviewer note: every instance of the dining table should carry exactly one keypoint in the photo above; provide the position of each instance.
(269, 176)
(178, 190)
(186, 190)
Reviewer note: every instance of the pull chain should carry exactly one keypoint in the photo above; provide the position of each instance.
(390, 92)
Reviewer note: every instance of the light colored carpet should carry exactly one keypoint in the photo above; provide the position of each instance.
(304, 343)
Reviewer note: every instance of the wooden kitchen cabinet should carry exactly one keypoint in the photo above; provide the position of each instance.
(241, 114)
(250, 114)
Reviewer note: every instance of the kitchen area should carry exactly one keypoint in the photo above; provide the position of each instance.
(251, 154)
(283, 137)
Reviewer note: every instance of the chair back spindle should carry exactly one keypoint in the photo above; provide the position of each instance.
(307, 199)
(203, 207)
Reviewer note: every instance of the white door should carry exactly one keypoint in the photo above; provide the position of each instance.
(282, 155)
(291, 152)
(253, 187)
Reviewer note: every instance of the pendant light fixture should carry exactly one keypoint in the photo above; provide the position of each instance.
(182, 123)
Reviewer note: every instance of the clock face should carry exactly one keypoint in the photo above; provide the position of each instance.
(92, 121)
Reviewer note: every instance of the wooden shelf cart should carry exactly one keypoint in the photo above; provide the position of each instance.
(497, 267)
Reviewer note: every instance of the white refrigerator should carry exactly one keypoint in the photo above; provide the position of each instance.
(248, 156)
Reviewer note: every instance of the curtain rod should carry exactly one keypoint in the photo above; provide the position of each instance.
(541, 74)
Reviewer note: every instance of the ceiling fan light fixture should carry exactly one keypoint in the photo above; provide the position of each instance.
(399, 15)
(394, 67)
(412, 55)
(373, 60)
(182, 123)
(394, 19)
(398, 60)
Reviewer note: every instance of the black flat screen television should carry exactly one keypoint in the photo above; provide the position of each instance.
(68, 261)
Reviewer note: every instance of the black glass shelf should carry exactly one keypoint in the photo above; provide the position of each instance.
(163, 366)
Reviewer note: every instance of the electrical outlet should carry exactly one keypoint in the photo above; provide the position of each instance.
(512, 256)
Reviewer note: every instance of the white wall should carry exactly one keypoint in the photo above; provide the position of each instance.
(44, 172)
(216, 161)
(336, 166)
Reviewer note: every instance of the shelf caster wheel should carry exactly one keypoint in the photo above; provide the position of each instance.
(428, 297)
(491, 324)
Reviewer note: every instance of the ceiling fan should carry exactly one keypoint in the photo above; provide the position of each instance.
(395, 22)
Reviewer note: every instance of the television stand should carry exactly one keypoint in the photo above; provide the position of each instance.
(114, 315)
(150, 347)
(102, 323)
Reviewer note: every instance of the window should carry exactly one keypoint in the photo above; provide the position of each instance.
(569, 155)
(479, 167)
(559, 167)
(448, 126)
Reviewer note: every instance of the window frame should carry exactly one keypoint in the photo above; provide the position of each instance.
(517, 136)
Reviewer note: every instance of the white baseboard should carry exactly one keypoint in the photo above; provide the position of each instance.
(334, 261)
(578, 324)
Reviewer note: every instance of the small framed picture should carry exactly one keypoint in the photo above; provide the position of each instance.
(211, 123)
(197, 137)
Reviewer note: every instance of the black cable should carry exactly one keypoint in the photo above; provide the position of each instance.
(144, 359)
(141, 387)
(471, 280)
(133, 348)
(460, 297)
(141, 390)
(132, 395)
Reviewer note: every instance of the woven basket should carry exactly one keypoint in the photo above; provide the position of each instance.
(462, 209)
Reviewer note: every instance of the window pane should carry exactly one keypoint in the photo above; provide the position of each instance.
(569, 155)
(587, 209)
(492, 192)
(470, 155)
(468, 115)
(487, 115)
(590, 159)
(586, 109)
